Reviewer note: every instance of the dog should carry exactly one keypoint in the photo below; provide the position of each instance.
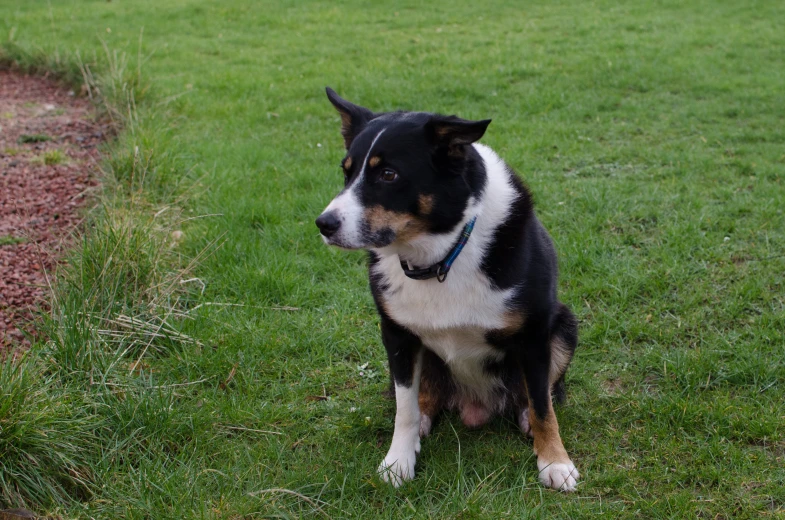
(463, 276)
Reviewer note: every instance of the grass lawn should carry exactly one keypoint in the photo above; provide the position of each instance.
(653, 137)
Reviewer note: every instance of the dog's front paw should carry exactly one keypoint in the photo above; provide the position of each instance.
(398, 467)
(558, 475)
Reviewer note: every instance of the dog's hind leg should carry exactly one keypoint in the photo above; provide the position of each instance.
(564, 341)
(556, 469)
(436, 388)
(520, 399)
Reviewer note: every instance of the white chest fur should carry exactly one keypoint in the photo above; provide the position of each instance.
(451, 318)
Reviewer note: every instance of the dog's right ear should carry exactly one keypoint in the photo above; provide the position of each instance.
(353, 117)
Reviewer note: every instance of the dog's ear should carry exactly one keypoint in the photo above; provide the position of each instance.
(453, 133)
(353, 117)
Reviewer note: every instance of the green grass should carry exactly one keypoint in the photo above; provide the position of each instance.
(50, 157)
(652, 137)
(6, 240)
(33, 138)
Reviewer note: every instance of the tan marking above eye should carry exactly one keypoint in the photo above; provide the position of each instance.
(347, 163)
(425, 203)
(374, 161)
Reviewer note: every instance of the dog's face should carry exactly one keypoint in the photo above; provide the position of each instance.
(405, 176)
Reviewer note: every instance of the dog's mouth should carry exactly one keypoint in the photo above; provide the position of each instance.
(337, 242)
(355, 227)
(368, 239)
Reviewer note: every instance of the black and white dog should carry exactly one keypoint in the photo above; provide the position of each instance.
(463, 276)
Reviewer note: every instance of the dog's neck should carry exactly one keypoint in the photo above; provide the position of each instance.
(428, 249)
(491, 207)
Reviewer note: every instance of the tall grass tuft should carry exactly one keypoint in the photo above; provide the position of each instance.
(117, 300)
(47, 434)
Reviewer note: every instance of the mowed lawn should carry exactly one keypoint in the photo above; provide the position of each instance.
(652, 135)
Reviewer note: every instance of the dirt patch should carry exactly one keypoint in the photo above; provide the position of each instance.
(48, 140)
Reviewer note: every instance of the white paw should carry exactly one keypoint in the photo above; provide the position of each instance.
(398, 467)
(523, 422)
(557, 475)
(425, 425)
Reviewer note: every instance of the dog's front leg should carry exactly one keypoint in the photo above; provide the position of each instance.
(404, 351)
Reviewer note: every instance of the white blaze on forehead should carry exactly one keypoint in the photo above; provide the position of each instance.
(365, 161)
(348, 207)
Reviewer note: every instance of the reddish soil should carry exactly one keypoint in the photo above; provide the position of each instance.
(48, 139)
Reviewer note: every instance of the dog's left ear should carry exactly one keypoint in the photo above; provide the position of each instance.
(353, 117)
(453, 132)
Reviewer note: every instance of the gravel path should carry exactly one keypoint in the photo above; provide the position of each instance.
(48, 140)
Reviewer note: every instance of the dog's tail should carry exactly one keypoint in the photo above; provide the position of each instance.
(564, 341)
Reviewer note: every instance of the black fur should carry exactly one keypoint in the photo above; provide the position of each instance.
(433, 157)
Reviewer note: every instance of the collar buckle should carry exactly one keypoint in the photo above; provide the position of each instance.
(441, 274)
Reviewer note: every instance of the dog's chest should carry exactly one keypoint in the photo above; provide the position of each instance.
(451, 319)
(467, 354)
(467, 299)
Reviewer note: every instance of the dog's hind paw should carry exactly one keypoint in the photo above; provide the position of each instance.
(523, 422)
(558, 475)
(425, 425)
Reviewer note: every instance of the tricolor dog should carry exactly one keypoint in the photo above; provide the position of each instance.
(463, 276)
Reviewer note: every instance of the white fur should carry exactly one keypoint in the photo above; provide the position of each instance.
(464, 350)
(450, 317)
(523, 422)
(557, 475)
(425, 425)
(349, 209)
(398, 464)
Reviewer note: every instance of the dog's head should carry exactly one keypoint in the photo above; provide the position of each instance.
(406, 174)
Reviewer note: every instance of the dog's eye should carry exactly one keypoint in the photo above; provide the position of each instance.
(345, 177)
(388, 175)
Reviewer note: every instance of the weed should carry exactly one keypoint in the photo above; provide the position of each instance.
(33, 138)
(9, 240)
(50, 157)
(54, 157)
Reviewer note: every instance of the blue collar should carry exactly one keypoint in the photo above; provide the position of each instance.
(439, 270)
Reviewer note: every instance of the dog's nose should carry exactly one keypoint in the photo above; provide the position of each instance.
(328, 223)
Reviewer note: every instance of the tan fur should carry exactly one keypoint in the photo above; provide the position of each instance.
(374, 161)
(429, 399)
(560, 359)
(405, 225)
(347, 164)
(425, 204)
(346, 126)
(547, 441)
(513, 321)
(443, 130)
